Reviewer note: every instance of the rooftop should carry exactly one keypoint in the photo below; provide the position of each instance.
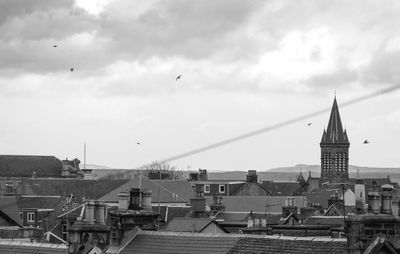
(174, 242)
(25, 165)
(20, 247)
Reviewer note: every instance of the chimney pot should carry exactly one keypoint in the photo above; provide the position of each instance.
(386, 199)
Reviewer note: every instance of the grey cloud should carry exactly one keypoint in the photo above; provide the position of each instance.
(383, 68)
(338, 78)
(168, 28)
(18, 8)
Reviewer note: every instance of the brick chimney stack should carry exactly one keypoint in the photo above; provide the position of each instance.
(374, 202)
(386, 198)
(217, 204)
(251, 176)
(198, 204)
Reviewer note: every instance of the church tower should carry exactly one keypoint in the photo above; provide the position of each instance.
(334, 150)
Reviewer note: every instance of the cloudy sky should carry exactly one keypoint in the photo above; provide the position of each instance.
(245, 65)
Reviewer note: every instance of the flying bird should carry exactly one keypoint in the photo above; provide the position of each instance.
(54, 46)
(72, 69)
(309, 124)
(366, 141)
(179, 77)
(137, 143)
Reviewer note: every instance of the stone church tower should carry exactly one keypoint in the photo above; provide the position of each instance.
(334, 150)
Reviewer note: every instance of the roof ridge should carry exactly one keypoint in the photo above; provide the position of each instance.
(244, 236)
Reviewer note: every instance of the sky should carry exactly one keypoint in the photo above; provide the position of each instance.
(245, 65)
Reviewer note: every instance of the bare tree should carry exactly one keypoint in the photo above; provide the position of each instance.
(162, 170)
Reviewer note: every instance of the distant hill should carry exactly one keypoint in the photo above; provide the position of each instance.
(316, 169)
(291, 173)
(93, 166)
(274, 174)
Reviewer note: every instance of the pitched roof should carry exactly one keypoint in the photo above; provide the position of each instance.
(334, 133)
(166, 195)
(250, 189)
(319, 197)
(190, 224)
(25, 165)
(174, 242)
(14, 247)
(9, 210)
(235, 217)
(381, 245)
(335, 221)
(260, 204)
(182, 188)
(92, 189)
(289, 245)
(38, 202)
(280, 188)
(177, 211)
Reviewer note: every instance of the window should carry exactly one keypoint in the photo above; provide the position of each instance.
(30, 217)
(21, 216)
(206, 188)
(221, 188)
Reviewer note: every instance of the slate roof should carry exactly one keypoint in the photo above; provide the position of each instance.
(289, 245)
(319, 197)
(15, 247)
(166, 195)
(197, 243)
(9, 208)
(38, 202)
(177, 211)
(256, 203)
(172, 242)
(334, 132)
(25, 165)
(243, 217)
(90, 189)
(194, 225)
(280, 188)
(250, 189)
(182, 188)
(334, 221)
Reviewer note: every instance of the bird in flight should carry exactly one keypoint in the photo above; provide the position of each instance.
(54, 46)
(309, 124)
(137, 143)
(366, 141)
(72, 69)
(179, 77)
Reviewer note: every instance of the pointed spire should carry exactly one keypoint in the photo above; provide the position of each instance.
(334, 133)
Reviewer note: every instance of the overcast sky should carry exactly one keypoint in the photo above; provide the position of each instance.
(245, 65)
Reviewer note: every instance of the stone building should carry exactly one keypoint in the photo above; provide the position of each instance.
(334, 150)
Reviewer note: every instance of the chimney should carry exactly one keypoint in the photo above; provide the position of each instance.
(373, 202)
(289, 207)
(386, 197)
(135, 199)
(198, 204)
(146, 200)
(336, 201)
(123, 198)
(203, 175)
(89, 213)
(250, 220)
(99, 212)
(359, 192)
(217, 204)
(251, 176)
